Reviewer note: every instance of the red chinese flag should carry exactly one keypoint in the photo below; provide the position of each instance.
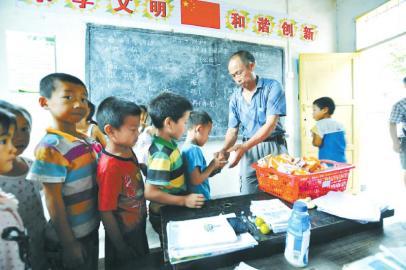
(200, 13)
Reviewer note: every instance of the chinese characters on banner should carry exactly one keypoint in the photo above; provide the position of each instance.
(123, 7)
(158, 9)
(287, 28)
(237, 20)
(263, 25)
(194, 13)
(83, 5)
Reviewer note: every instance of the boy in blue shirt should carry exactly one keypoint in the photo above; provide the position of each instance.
(328, 134)
(197, 171)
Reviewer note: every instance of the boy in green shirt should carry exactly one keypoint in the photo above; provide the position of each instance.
(165, 181)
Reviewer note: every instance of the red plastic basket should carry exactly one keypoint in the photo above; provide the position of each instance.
(292, 187)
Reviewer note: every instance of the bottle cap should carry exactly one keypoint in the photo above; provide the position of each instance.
(299, 206)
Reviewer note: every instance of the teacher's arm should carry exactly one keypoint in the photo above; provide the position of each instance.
(232, 131)
(259, 136)
(231, 138)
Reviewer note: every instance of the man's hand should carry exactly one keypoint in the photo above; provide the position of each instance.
(222, 155)
(194, 200)
(73, 255)
(239, 152)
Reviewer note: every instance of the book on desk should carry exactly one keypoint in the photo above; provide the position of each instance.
(204, 237)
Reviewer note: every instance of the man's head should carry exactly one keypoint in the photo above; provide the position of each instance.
(119, 119)
(169, 113)
(65, 96)
(241, 68)
(199, 127)
(404, 81)
(21, 137)
(323, 107)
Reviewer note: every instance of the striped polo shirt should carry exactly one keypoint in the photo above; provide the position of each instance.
(165, 166)
(63, 158)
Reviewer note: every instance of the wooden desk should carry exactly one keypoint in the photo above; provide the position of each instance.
(325, 228)
(333, 255)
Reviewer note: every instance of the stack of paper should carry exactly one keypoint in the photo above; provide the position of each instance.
(362, 207)
(274, 212)
(204, 237)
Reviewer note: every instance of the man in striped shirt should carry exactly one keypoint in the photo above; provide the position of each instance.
(66, 165)
(398, 117)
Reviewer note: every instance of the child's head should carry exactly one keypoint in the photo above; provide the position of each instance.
(199, 127)
(91, 109)
(119, 119)
(21, 137)
(323, 108)
(7, 149)
(169, 113)
(65, 96)
(144, 114)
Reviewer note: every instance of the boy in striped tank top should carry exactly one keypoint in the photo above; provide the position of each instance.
(65, 163)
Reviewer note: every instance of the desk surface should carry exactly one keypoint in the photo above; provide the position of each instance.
(324, 227)
(361, 240)
(333, 255)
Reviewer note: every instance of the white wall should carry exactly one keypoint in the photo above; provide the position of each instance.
(70, 30)
(347, 12)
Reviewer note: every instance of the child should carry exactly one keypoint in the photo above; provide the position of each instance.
(89, 127)
(143, 118)
(197, 172)
(165, 182)
(121, 188)
(145, 138)
(328, 134)
(7, 149)
(26, 192)
(143, 143)
(9, 255)
(10, 220)
(66, 165)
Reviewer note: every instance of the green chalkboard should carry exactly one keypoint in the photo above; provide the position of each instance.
(138, 64)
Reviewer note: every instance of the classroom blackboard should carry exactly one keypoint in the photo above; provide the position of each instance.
(138, 64)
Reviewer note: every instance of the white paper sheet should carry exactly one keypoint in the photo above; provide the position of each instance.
(362, 207)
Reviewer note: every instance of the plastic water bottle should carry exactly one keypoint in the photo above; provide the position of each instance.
(298, 236)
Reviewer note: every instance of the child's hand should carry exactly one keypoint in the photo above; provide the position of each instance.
(218, 163)
(74, 255)
(194, 200)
